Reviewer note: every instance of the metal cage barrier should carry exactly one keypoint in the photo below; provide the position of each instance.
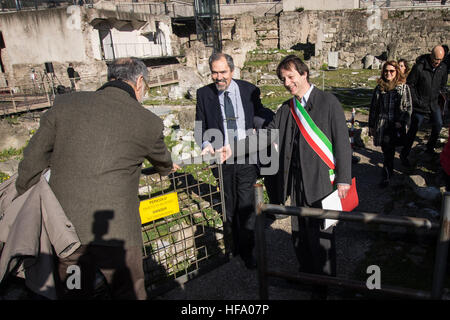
(187, 243)
(368, 218)
(24, 98)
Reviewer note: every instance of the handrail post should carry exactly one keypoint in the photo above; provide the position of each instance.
(13, 99)
(440, 262)
(260, 243)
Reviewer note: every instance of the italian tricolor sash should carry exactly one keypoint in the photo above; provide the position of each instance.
(322, 146)
(313, 135)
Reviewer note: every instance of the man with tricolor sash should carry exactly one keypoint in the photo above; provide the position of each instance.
(314, 160)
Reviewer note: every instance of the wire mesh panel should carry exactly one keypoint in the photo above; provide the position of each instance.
(182, 231)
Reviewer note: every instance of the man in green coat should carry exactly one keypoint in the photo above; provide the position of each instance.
(94, 143)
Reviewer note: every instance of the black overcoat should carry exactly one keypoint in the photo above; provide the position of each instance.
(327, 113)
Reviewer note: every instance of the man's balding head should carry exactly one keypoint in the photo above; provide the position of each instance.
(437, 55)
(131, 70)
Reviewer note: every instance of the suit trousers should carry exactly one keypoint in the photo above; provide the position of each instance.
(314, 247)
(122, 269)
(238, 182)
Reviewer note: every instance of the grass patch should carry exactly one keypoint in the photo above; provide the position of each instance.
(3, 177)
(200, 172)
(256, 63)
(352, 90)
(348, 78)
(11, 153)
(273, 95)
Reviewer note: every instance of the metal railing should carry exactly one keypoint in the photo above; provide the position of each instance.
(181, 246)
(224, 2)
(275, 10)
(18, 5)
(163, 79)
(139, 50)
(172, 8)
(401, 3)
(367, 218)
(24, 98)
(40, 94)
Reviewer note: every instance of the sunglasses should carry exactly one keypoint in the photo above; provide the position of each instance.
(389, 71)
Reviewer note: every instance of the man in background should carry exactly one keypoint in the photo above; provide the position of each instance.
(427, 81)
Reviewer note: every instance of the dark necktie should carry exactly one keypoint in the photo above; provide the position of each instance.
(229, 112)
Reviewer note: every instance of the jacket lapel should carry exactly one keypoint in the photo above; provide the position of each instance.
(245, 105)
(310, 104)
(213, 104)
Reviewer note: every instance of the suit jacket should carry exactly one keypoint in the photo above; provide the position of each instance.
(32, 226)
(209, 116)
(326, 111)
(95, 143)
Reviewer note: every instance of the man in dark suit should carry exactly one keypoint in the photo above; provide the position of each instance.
(224, 115)
(94, 143)
(302, 174)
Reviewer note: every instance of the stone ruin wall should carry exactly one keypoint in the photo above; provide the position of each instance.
(351, 33)
(357, 33)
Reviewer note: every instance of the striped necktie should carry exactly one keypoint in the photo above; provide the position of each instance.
(229, 112)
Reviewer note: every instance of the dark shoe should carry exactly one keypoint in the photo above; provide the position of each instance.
(386, 178)
(250, 263)
(405, 162)
(431, 152)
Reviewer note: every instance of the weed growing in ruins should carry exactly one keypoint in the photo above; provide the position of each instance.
(11, 153)
(3, 177)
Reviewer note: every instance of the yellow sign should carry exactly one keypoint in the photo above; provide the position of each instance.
(159, 207)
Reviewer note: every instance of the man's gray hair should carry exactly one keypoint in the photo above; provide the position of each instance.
(219, 55)
(127, 69)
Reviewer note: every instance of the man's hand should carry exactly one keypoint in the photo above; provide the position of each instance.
(207, 149)
(343, 190)
(225, 153)
(175, 167)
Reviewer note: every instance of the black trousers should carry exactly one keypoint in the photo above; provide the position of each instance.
(238, 181)
(314, 246)
(388, 148)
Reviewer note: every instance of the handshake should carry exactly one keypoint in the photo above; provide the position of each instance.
(222, 153)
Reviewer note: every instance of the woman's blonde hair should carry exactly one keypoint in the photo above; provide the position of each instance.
(398, 79)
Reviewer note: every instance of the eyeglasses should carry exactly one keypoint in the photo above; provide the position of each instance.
(147, 87)
(389, 71)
